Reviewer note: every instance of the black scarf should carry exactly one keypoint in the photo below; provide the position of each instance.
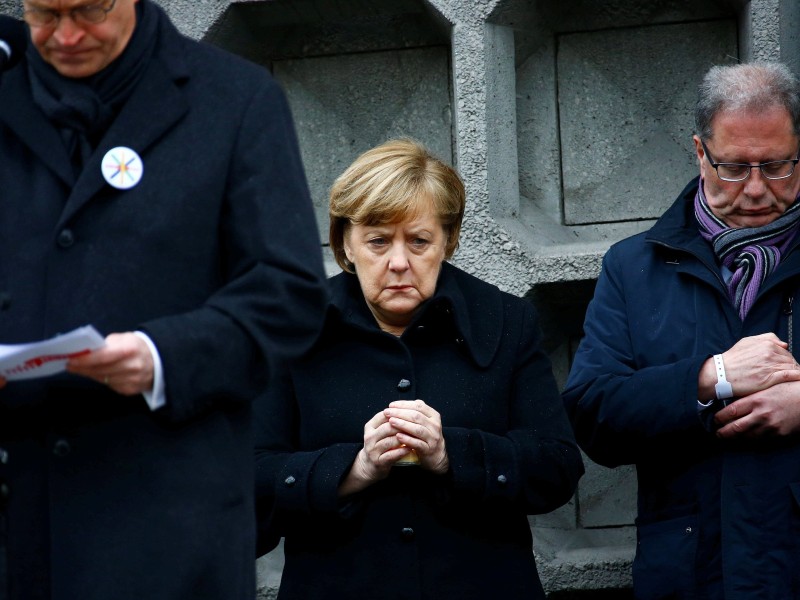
(83, 109)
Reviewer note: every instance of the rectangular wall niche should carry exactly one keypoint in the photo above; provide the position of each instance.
(346, 104)
(626, 100)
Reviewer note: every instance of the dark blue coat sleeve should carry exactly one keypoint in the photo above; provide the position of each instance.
(291, 483)
(619, 402)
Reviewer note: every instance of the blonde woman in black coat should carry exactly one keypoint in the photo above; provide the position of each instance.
(401, 457)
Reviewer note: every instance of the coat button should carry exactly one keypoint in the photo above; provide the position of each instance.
(404, 385)
(61, 448)
(66, 238)
(502, 480)
(5, 491)
(407, 534)
(3, 456)
(5, 300)
(289, 481)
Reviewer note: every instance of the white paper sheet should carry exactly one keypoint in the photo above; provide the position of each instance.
(40, 359)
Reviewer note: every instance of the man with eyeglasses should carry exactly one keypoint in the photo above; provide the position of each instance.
(687, 368)
(152, 187)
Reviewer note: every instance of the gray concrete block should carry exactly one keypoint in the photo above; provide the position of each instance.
(789, 23)
(584, 559)
(268, 573)
(607, 497)
(284, 29)
(501, 122)
(344, 105)
(625, 105)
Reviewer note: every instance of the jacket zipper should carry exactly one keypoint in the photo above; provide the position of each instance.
(789, 312)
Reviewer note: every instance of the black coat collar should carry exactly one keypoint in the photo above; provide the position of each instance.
(677, 227)
(475, 307)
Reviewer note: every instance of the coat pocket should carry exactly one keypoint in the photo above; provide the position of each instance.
(665, 559)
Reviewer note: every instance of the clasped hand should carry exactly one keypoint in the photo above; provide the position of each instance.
(390, 435)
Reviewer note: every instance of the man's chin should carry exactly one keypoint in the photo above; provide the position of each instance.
(73, 68)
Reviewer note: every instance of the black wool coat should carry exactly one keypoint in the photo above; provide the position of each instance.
(473, 354)
(214, 254)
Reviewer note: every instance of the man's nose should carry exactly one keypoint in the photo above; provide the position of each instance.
(756, 184)
(67, 32)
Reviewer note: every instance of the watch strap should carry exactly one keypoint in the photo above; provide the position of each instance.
(723, 388)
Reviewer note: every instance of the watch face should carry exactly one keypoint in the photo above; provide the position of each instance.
(724, 390)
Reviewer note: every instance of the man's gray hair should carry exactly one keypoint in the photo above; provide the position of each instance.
(755, 87)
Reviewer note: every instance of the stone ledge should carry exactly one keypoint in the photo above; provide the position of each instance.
(585, 559)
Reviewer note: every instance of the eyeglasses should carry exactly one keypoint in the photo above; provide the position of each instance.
(776, 169)
(90, 14)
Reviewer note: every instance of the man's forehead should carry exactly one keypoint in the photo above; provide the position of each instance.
(774, 121)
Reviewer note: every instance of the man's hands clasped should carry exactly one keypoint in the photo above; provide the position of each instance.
(766, 380)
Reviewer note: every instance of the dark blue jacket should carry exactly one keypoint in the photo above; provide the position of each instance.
(716, 518)
(473, 354)
(215, 255)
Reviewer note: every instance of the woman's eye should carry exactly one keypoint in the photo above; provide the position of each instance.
(419, 242)
(377, 242)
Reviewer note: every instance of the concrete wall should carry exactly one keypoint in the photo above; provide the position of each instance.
(571, 123)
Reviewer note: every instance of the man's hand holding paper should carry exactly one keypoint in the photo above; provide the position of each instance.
(124, 363)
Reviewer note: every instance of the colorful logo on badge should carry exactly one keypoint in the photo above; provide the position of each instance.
(122, 168)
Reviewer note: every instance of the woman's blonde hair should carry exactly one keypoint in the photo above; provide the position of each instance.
(398, 180)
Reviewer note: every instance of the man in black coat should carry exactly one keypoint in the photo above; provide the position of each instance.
(152, 187)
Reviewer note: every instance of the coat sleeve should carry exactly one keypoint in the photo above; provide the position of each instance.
(273, 292)
(536, 465)
(291, 484)
(620, 404)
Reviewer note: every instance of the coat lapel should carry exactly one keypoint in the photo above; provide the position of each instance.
(19, 113)
(476, 308)
(676, 232)
(155, 106)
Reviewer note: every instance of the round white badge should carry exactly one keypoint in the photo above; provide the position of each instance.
(122, 168)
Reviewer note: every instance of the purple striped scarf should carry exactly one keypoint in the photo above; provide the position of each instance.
(751, 253)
